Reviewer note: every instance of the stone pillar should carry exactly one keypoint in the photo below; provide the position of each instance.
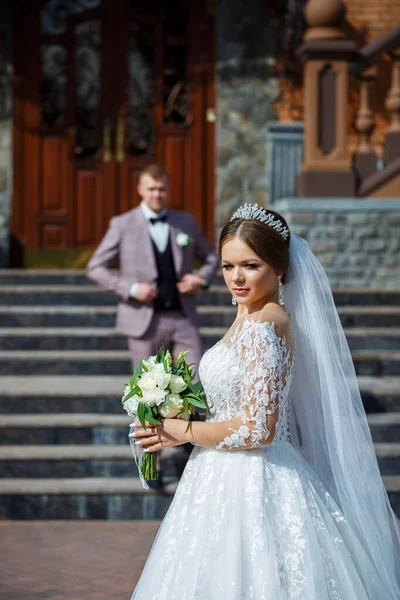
(5, 129)
(247, 46)
(327, 169)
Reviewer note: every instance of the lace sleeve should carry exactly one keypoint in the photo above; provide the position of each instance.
(265, 361)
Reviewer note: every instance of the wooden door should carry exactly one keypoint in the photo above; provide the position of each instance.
(101, 90)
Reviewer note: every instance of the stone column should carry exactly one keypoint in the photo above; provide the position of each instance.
(327, 169)
(247, 44)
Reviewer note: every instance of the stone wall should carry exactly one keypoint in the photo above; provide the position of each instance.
(356, 240)
(5, 128)
(248, 42)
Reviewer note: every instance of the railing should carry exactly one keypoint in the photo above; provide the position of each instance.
(331, 61)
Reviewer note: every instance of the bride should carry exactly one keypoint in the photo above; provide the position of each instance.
(281, 498)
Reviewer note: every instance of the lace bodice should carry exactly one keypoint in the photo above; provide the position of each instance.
(248, 374)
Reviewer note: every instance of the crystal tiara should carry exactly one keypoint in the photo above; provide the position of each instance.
(253, 211)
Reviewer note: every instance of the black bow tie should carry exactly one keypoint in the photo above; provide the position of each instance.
(162, 219)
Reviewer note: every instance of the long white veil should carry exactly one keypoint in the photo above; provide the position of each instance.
(328, 422)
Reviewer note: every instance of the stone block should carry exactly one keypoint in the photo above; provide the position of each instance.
(358, 259)
(325, 259)
(303, 218)
(321, 218)
(364, 232)
(338, 219)
(373, 245)
(353, 245)
(357, 218)
(394, 219)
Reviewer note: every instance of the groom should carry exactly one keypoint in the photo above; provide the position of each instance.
(155, 248)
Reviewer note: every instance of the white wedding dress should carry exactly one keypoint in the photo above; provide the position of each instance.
(252, 522)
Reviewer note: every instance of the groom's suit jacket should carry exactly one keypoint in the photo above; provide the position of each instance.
(128, 243)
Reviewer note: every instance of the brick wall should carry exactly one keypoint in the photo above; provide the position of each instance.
(373, 17)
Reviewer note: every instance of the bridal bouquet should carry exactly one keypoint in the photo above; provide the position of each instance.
(157, 390)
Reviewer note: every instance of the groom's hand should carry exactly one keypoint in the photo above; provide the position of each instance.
(190, 283)
(146, 292)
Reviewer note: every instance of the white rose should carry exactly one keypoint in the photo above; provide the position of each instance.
(168, 411)
(147, 383)
(131, 405)
(176, 400)
(173, 408)
(154, 397)
(177, 384)
(182, 239)
(160, 376)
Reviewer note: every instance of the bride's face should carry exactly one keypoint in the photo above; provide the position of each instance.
(251, 281)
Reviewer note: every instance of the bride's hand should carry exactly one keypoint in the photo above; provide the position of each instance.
(156, 437)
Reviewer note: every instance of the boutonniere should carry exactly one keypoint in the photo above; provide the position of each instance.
(182, 239)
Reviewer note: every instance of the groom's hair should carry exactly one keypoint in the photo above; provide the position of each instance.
(157, 172)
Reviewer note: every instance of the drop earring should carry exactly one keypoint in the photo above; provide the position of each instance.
(234, 301)
(281, 297)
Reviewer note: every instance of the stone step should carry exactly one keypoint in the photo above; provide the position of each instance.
(81, 460)
(218, 316)
(101, 498)
(59, 277)
(217, 294)
(117, 362)
(105, 429)
(98, 338)
(112, 498)
(40, 277)
(112, 460)
(83, 338)
(62, 429)
(38, 394)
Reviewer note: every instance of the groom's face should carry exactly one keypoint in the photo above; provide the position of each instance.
(154, 192)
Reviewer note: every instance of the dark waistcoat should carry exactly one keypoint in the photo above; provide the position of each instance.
(168, 295)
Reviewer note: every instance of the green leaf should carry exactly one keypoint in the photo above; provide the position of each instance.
(197, 388)
(153, 421)
(141, 414)
(160, 354)
(196, 402)
(135, 377)
(128, 396)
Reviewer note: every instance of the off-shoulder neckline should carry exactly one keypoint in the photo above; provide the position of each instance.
(246, 319)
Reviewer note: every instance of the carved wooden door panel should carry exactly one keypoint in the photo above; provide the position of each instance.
(102, 89)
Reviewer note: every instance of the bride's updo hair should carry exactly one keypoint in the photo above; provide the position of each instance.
(262, 239)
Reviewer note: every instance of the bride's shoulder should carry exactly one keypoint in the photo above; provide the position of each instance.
(276, 315)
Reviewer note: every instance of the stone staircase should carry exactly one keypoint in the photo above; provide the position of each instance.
(63, 433)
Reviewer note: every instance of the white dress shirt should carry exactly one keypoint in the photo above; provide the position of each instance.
(159, 233)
